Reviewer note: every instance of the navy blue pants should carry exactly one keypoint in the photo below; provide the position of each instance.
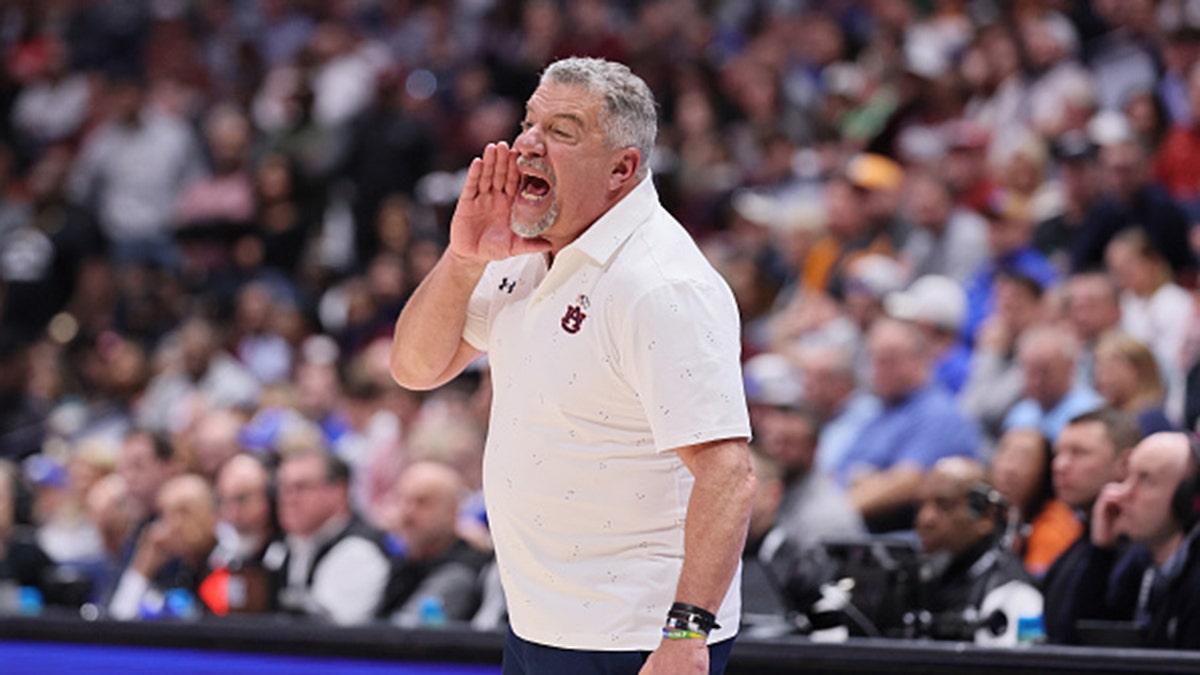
(522, 657)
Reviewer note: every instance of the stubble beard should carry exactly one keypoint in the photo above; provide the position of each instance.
(536, 228)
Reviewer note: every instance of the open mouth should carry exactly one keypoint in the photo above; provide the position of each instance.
(533, 188)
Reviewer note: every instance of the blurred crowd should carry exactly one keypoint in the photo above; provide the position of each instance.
(956, 232)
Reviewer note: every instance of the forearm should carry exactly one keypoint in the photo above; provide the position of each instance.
(428, 333)
(879, 494)
(715, 531)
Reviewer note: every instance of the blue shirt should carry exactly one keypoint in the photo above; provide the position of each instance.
(918, 430)
(841, 431)
(1028, 413)
(981, 287)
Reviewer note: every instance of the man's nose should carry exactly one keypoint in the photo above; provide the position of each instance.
(530, 142)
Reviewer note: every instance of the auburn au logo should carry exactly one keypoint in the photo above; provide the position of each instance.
(573, 319)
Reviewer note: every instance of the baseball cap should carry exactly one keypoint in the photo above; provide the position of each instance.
(932, 299)
(870, 171)
(771, 379)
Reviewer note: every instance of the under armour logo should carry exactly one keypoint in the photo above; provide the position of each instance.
(573, 319)
(508, 286)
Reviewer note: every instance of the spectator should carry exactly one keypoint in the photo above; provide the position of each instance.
(776, 568)
(1133, 201)
(22, 562)
(917, 426)
(1091, 452)
(54, 106)
(146, 462)
(246, 529)
(1156, 508)
(131, 170)
(1154, 309)
(1079, 177)
(995, 381)
(1052, 397)
(831, 391)
(960, 523)
(115, 515)
(202, 375)
(437, 564)
(1174, 165)
(213, 440)
(1129, 379)
(812, 506)
(49, 252)
(1092, 307)
(1040, 526)
(335, 567)
(172, 552)
(22, 417)
(937, 305)
(1010, 248)
(947, 240)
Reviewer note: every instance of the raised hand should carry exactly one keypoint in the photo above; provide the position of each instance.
(1106, 515)
(480, 230)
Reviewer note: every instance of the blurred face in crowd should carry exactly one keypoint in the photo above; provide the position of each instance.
(1130, 270)
(829, 379)
(929, 203)
(1092, 306)
(1117, 379)
(1125, 168)
(1048, 371)
(142, 470)
(1156, 467)
(307, 498)
(768, 495)
(428, 495)
(1016, 304)
(789, 438)
(112, 510)
(242, 497)
(1018, 465)
(215, 440)
(1007, 234)
(945, 522)
(1084, 462)
(186, 506)
(568, 169)
(197, 346)
(899, 360)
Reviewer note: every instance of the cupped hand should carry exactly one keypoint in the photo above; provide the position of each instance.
(480, 230)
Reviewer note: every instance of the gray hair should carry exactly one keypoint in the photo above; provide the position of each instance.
(630, 115)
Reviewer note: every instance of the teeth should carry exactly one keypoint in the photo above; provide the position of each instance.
(525, 194)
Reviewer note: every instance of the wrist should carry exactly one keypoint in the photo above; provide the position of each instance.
(686, 621)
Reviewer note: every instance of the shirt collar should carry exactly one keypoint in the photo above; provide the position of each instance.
(600, 241)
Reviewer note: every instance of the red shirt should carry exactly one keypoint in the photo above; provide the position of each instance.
(1177, 164)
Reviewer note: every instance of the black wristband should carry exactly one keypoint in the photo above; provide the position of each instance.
(692, 614)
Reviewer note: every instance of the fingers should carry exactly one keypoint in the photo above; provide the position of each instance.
(494, 171)
(514, 174)
(471, 185)
(489, 168)
(500, 177)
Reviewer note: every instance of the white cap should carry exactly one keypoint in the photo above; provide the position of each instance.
(771, 379)
(932, 299)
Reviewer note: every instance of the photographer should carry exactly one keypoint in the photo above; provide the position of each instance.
(971, 587)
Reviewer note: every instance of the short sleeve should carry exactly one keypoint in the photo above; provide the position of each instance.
(478, 324)
(681, 353)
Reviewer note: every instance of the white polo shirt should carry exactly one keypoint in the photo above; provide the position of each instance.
(625, 350)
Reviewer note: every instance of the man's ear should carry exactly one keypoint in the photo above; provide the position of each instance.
(628, 161)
